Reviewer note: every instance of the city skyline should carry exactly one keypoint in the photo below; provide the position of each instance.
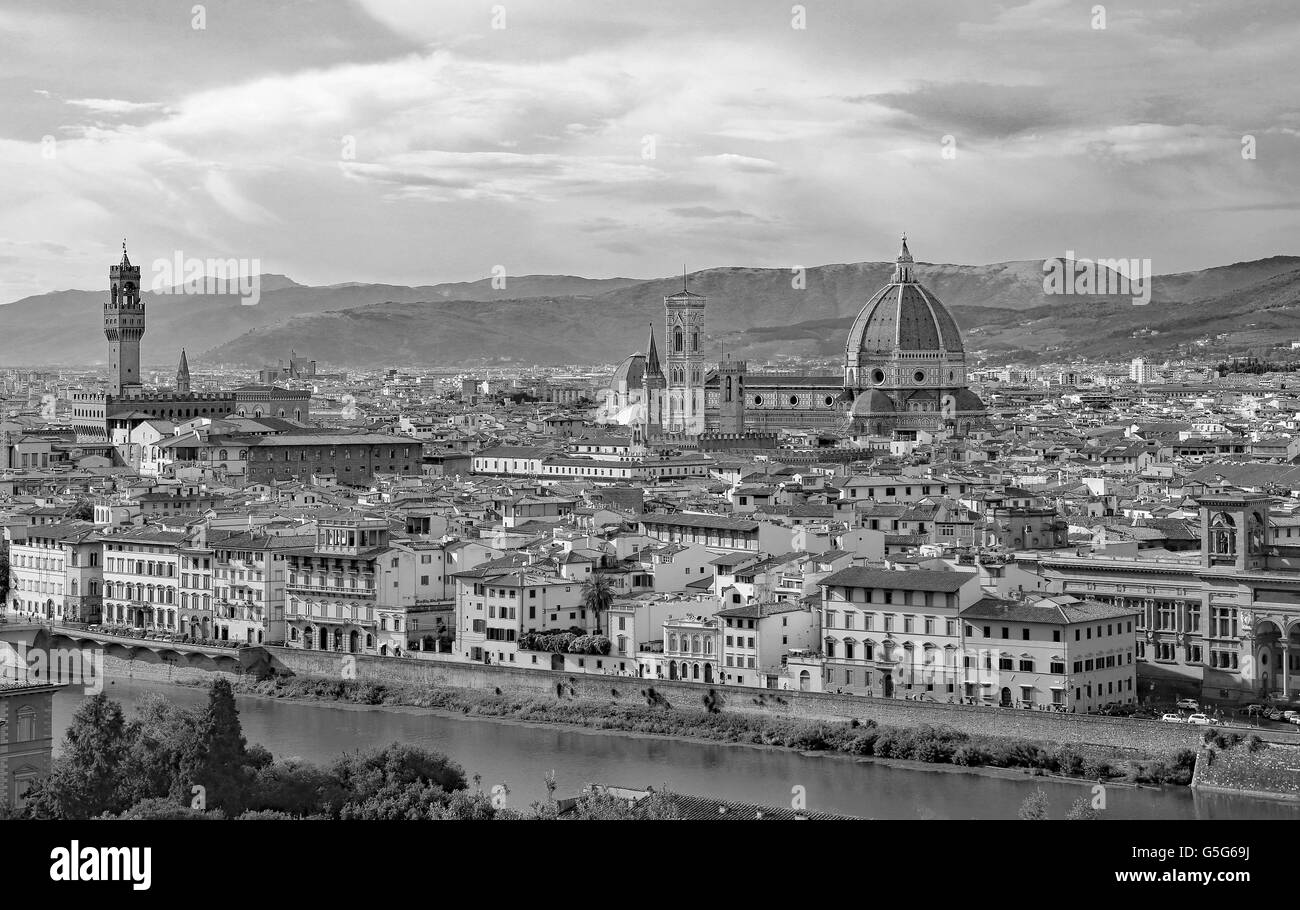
(431, 146)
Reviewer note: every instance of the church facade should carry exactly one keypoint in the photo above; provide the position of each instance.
(904, 374)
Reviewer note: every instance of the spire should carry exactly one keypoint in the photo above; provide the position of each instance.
(183, 374)
(126, 263)
(685, 289)
(652, 367)
(903, 265)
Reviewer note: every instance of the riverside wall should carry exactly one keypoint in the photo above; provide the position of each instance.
(1117, 732)
(125, 662)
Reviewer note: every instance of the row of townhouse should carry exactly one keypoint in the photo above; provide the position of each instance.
(937, 635)
(357, 589)
(55, 572)
(500, 601)
(348, 586)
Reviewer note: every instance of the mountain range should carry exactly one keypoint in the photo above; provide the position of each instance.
(760, 314)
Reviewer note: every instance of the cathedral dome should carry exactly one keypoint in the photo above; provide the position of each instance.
(904, 316)
(631, 371)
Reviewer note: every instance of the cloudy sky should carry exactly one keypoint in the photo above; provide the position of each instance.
(411, 141)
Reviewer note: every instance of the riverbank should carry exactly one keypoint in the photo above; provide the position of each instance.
(924, 745)
(1260, 770)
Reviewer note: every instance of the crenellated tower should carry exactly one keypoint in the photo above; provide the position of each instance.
(124, 327)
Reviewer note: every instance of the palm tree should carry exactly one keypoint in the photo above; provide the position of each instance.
(597, 595)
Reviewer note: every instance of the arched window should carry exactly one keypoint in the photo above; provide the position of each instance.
(678, 341)
(1223, 535)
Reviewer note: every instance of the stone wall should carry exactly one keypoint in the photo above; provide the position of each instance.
(1116, 732)
(155, 662)
(1125, 733)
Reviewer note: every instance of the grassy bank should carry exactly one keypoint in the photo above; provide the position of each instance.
(634, 709)
(1251, 767)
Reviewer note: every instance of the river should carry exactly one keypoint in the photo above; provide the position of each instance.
(520, 754)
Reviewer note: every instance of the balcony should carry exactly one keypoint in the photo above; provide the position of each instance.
(329, 591)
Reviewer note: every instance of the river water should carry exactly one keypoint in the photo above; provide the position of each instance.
(520, 754)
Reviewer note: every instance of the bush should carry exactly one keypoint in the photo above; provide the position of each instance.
(1099, 768)
(1034, 808)
(1068, 760)
(1255, 744)
(1082, 810)
(862, 743)
(970, 756)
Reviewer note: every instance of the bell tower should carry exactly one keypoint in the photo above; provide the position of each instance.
(1234, 531)
(124, 327)
(731, 395)
(684, 367)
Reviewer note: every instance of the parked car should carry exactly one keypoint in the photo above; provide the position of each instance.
(1289, 714)
(1188, 704)
(1294, 719)
(1172, 718)
(1273, 714)
(1201, 720)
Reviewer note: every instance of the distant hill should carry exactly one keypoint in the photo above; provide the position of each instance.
(66, 327)
(755, 313)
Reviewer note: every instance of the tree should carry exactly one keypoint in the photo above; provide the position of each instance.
(161, 737)
(218, 760)
(399, 781)
(84, 781)
(82, 510)
(1034, 808)
(597, 595)
(295, 788)
(166, 809)
(1082, 810)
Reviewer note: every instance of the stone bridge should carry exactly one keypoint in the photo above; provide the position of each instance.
(168, 661)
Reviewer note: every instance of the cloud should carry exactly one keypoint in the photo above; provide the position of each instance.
(448, 143)
(712, 214)
(977, 109)
(114, 105)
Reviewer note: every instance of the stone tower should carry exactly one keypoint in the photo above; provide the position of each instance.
(684, 370)
(124, 327)
(183, 375)
(731, 395)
